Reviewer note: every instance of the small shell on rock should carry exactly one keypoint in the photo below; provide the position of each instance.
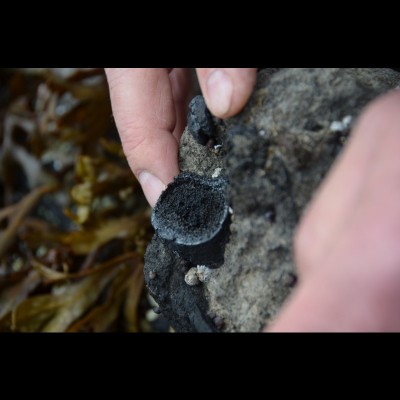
(203, 273)
(191, 277)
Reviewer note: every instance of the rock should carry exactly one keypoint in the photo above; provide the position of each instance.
(185, 306)
(274, 154)
(200, 121)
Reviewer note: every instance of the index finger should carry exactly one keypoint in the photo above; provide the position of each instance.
(144, 113)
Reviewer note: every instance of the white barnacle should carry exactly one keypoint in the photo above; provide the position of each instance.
(203, 273)
(347, 121)
(216, 173)
(343, 125)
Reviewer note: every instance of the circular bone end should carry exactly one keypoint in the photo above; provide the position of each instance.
(192, 209)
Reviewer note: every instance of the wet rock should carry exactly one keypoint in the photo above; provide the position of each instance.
(200, 121)
(274, 155)
(183, 305)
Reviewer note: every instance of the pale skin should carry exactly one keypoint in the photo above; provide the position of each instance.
(347, 245)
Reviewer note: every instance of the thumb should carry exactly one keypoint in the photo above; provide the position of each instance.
(226, 90)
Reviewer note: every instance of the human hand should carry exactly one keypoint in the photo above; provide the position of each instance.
(150, 109)
(347, 246)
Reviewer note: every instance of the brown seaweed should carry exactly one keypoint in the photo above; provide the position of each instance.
(73, 221)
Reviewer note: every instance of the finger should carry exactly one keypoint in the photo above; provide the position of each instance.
(144, 112)
(335, 202)
(226, 90)
(327, 303)
(356, 285)
(182, 93)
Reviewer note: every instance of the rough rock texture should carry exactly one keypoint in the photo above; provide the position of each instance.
(274, 154)
(200, 121)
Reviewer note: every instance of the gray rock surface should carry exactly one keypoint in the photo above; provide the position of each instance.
(200, 121)
(274, 154)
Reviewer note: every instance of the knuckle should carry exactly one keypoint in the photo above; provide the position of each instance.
(132, 137)
(134, 140)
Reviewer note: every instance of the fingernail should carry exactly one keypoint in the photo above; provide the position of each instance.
(219, 91)
(152, 187)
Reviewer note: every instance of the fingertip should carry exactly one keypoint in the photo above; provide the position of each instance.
(226, 90)
(154, 161)
(219, 93)
(152, 187)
